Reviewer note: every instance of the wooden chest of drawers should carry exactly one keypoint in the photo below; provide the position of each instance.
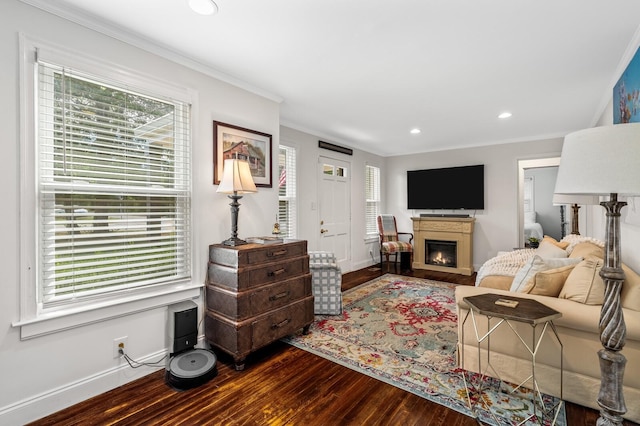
(256, 294)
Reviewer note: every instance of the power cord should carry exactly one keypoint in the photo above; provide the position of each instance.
(136, 364)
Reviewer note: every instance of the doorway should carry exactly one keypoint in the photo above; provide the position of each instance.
(535, 200)
(334, 209)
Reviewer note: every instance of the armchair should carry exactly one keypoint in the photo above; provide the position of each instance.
(390, 242)
(326, 282)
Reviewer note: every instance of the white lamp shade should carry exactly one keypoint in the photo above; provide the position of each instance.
(236, 178)
(601, 161)
(561, 199)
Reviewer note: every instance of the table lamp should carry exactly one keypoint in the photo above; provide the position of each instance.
(606, 161)
(236, 179)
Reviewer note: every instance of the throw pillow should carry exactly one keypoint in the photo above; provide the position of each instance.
(530, 217)
(574, 240)
(533, 266)
(549, 250)
(562, 244)
(549, 283)
(587, 249)
(584, 284)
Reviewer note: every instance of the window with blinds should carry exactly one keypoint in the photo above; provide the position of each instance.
(372, 195)
(113, 186)
(287, 191)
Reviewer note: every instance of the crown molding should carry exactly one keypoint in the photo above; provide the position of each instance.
(94, 23)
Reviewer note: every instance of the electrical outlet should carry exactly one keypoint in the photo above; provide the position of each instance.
(119, 343)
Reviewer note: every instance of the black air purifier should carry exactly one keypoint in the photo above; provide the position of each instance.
(188, 366)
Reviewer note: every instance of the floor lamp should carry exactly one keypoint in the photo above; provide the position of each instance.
(236, 180)
(575, 201)
(606, 161)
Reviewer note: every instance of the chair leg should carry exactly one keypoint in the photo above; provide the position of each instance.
(406, 261)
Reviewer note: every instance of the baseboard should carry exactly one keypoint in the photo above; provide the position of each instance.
(363, 264)
(54, 400)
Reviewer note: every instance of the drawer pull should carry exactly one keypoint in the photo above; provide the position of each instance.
(276, 253)
(280, 324)
(278, 296)
(277, 272)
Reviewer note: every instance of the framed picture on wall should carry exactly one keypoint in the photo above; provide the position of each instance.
(626, 93)
(231, 141)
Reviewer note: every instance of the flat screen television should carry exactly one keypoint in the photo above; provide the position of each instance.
(450, 188)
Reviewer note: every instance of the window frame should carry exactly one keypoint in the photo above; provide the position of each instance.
(291, 196)
(33, 320)
(371, 224)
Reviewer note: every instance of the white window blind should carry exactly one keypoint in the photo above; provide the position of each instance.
(113, 168)
(287, 191)
(372, 194)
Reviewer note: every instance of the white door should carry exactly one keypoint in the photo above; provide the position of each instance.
(334, 209)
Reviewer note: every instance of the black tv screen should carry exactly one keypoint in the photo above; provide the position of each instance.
(451, 188)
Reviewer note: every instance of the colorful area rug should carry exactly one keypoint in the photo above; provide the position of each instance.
(403, 331)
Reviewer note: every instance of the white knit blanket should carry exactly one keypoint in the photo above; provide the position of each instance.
(508, 263)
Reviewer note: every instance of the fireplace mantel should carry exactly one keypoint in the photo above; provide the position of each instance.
(458, 229)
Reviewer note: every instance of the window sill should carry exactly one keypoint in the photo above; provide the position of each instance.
(72, 318)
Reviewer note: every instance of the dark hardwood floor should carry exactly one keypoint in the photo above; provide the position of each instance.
(281, 385)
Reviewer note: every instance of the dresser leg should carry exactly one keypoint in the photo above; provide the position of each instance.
(305, 329)
(239, 364)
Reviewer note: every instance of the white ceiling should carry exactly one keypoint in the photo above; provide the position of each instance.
(364, 72)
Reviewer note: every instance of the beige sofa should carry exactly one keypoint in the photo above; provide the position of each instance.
(572, 287)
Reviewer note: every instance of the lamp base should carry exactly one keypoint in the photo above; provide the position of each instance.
(233, 241)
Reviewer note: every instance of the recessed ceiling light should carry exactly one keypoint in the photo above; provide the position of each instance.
(505, 115)
(415, 131)
(203, 7)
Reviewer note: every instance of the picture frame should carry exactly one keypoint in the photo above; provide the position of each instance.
(255, 147)
(626, 93)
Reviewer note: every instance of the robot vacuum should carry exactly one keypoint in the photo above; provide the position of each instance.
(191, 368)
(188, 366)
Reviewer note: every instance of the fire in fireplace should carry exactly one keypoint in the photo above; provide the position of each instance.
(440, 253)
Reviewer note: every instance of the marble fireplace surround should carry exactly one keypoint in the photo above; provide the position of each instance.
(458, 229)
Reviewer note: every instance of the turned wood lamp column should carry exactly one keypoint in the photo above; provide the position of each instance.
(236, 180)
(575, 201)
(605, 161)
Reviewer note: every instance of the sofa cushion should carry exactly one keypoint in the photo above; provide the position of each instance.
(502, 282)
(587, 249)
(584, 284)
(533, 266)
(574, 240)
(548, 249)
(561, 244)
(549, 283)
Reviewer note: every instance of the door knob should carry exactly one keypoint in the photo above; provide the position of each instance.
(322, 231)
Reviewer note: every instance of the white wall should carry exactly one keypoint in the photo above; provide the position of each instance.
(308, 220)
(496, 227)
(47, 373)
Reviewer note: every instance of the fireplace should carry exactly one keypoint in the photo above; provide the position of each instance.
(444, 244)
(441, 253)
